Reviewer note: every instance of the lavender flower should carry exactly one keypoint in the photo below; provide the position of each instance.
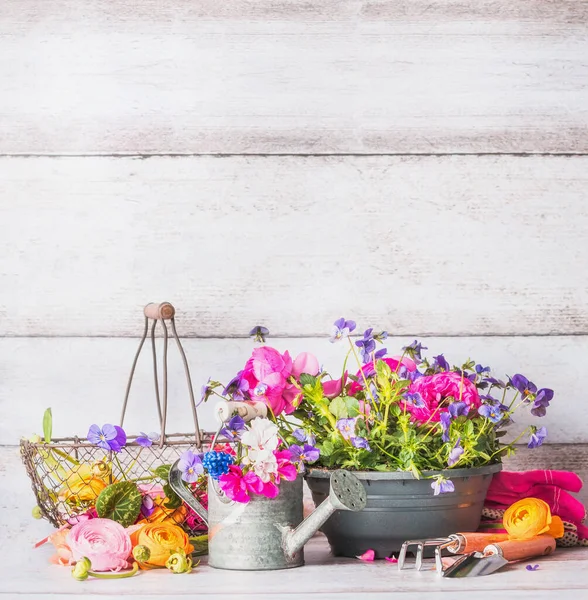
(259, 332)
(523, 385)
(457, 409)
(237, 387)
(442, 486)
(147, 439)
(341, 329)
(455, 453)
(445, 420)
(441, 363)
(414, 351)
(110, 437)
(360, 442)
(190, 465)
(346, 427)
(537, 437)
(542, 400)
(490, 412)
(234, 428)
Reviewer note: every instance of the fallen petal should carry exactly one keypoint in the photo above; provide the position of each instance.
(368, 555)
(391, 559)
(532, 567)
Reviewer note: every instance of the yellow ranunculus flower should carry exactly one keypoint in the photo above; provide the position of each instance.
(81, 484)
(530, 517)
(162, 540)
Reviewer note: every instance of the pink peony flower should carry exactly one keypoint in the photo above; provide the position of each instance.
(436, 389)
(333, 388)
(104, 542)
(305, 362)
(368, 370)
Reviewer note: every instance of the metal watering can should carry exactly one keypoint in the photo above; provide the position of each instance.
(266, 533)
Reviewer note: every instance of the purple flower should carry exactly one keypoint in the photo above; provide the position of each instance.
(441, 363)
(147, 439)
(445, 419)
(205, 391)
(237, 387)
(302, 436)
(414, 399)
(110, 437)
(380, 337)
(414, 350)
(366, 345)
(490, 412)
(306, 454)
(542, 400)
(537, 436)
(234, 428)
(147, 506)
(532, 567)
(442, 486)
(341, 329)
(495, 382)
(523, 385)
(259, 332)
(346, 427)
(360, 442)
(480, 369)
(190, 465)
(457, 409)
(455, 453)
(380, 353)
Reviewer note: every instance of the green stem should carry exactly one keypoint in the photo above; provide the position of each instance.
(122, 472)
(122, 575)
(365, 382)
(65, 456)
(133, 463)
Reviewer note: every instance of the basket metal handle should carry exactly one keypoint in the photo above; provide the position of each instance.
(162, 312)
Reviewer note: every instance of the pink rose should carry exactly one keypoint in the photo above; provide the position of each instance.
(104, 542)
(305, 362)
(368, 370)
(436, 389)
(333, 388)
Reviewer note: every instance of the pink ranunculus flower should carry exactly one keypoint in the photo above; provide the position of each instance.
(305, 362)
(334, 387)
(368, 370)
(106, 543)
(434, 389)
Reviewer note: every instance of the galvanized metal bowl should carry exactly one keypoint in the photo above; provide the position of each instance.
(400, 507)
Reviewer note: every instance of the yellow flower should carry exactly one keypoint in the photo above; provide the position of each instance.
(162, 540)
(161, 514)
(530, 517)
(81, 485)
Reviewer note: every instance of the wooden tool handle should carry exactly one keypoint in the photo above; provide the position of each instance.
(246, 410)
(476, 542)
(522, 549)
(163, 310)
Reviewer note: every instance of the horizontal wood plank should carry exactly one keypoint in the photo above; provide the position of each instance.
(414, 245)
(84, 380)
(25, 572)
(161, 76)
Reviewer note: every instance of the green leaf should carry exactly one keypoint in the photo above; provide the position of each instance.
(120, 502)
(306, 379)
(162, 472)
(468, 428)
(327, 448)
(47, 425)
(339, 408)
(173, 500)
(352, 406)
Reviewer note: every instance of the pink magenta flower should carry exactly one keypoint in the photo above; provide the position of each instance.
(368, 370)
(435, 389)
(104, 542)
(237, 486)
(333, 388)
(305, 362)
(286, 468)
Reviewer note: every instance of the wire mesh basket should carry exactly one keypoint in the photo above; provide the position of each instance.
(68, 474)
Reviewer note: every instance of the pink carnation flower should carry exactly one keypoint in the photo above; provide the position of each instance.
(435, 389)
(104, 542)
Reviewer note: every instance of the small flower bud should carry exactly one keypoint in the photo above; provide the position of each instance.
(36, 512)
(81, 569)
(101, 469)
(35, 439)
(141, 553)
(179, 562)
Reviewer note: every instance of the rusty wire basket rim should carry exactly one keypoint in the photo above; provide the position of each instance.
(79, 442)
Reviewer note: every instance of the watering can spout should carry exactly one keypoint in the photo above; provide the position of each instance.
(346, 493)
(176, 483)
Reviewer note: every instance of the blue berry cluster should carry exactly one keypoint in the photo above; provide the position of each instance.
(217, 463)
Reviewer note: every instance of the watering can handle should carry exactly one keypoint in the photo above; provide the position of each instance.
(177, 485)
(246, 410)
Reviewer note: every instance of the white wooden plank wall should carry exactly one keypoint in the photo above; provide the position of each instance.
(421, 167)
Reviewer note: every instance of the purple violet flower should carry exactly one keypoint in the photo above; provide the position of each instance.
(495, 382)
(532, 567)
(542, 400)
(205, 391)
(445, 420)
(341, 329)
(147, 439)
(490, 412)
(414, 351)
(523, 385)
(304, 454)
(457, 409)
(442, 486)
(110, 437)
(455, 453)
(441, 363)
(480, 369)
(190, 465)
(380, 353)
(299, 434)
(414, 399)
(259, 332)
(366, 345)
(234, 428)
(537, 437)
(347, 427)
(237, 387)
(360, 442)
(147, 506)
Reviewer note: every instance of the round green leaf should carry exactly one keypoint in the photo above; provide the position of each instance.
(120, 502)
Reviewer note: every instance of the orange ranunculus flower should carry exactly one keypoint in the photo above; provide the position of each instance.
(530, 517)
(161, 514)
(162, 540)
(82, 484)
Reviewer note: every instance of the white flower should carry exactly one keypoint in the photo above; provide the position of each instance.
(265, 465)
(262, 434)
